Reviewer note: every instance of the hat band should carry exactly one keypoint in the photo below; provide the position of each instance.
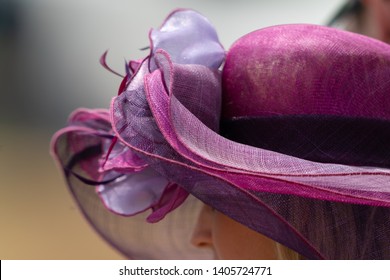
(327, 139)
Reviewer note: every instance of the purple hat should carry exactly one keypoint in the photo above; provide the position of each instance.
(287, 133)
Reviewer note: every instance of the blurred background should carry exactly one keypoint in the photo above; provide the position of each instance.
(49, 52)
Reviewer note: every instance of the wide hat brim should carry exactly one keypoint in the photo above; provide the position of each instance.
(157, 117)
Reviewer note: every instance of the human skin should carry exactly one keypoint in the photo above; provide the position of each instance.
(230, 239)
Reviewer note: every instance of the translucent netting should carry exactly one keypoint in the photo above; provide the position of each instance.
(133, 237)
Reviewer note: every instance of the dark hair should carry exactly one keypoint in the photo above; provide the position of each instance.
(352, 8)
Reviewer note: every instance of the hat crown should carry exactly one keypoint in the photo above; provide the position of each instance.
(306, 70)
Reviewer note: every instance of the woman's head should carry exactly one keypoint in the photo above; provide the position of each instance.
(229, 239)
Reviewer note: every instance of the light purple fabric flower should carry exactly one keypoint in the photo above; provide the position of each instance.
(126, 183)
(189, 38)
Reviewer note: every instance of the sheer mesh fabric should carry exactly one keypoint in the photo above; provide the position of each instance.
(133, 237)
